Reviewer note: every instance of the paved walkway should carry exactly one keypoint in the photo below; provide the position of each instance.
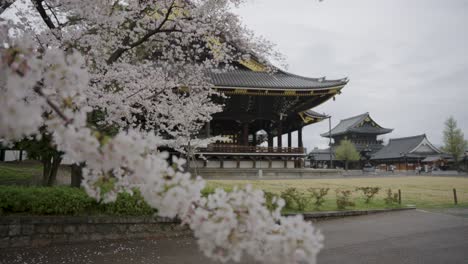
(398, 237)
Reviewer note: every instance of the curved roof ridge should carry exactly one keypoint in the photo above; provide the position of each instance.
(320, 79)
(404, 138)
(364, 114)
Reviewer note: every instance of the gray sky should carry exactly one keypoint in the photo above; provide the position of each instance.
(407, 60)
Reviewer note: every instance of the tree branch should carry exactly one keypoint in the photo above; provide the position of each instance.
(5, 4)
(38, 89)
(43, 13)
(53, 13)
(120, 51)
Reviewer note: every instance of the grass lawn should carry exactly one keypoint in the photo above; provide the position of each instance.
(422, 192)
(19, 173)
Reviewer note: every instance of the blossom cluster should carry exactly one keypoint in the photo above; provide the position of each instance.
(133, 59)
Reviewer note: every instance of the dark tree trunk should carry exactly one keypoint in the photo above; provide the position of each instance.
(51, 164)
(76, 175)
(57, 159)
(46, 167)
(346, 165)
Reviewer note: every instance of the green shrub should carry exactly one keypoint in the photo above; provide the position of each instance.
(369, 192)
(392, 198)
(210, 190)
(343, 199)
(318, 195)
(44, 200)
(295, 199)
(207, 191)
(127, 204)
(66, 201)
(269, 200)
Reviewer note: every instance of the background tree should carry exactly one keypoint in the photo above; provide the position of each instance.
(346, 151)
(454, 141)
(43, 150)
(150, 59)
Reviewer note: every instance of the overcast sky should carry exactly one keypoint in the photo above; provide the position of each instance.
(407, 60)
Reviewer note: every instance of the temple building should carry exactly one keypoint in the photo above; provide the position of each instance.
(361, 130)
(262, 105)
(408, 152)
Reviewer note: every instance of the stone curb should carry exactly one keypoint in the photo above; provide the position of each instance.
(339, 214)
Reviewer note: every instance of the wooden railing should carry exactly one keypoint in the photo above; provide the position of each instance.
(230, 148)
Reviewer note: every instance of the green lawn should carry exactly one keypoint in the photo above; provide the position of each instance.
(422, 192)
(19, 173)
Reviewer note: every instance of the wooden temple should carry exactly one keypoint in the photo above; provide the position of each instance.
(361, 130)
(407, 153)
(261, 105)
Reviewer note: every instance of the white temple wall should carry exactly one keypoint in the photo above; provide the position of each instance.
(14, 155)
(262, 164)
(276, 164)
(213, 164)
(246, 164)
(196, 164)
(229, 164)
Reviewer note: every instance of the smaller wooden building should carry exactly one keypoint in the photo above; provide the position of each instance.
(406, 153)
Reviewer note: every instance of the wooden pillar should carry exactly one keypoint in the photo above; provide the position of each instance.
(2, 154)
(245, 134)
(21, 155)
(254, 139)
(270, 140)
(289, 140)
(280, 134)
(299, 138)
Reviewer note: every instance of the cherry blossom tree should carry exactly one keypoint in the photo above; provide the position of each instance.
(143, 65)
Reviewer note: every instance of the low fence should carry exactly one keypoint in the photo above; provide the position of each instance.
(37, 231)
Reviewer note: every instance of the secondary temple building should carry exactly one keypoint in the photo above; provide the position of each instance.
(260, 106)
(361, 130)
(408, 152)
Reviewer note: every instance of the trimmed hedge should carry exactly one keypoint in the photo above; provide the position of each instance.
(66, 201)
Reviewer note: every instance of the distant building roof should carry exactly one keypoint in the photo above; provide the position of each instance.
(411, 147)
(321, 155)
(276, 80)
(437, 158)
(363, 124)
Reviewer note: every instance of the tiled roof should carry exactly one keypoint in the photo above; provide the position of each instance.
(398, 147)
(314, 114)
(321, 155)
(351, 125)
(277, 80)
